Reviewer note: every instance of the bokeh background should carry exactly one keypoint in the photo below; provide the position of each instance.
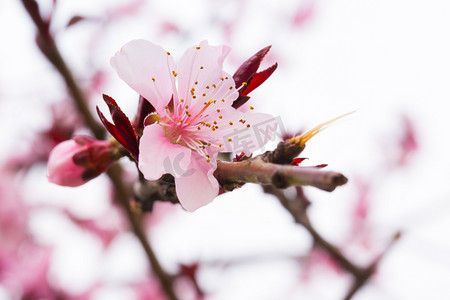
(388, 60)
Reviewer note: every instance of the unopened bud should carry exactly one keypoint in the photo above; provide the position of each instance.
(75, 162)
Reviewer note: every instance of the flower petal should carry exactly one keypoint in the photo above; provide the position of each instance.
(147, 69)
(245, 132)
(198, 186)
(158, 156)
(200, 68)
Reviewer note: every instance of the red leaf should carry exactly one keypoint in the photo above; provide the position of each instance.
(259, 79)
(144, 109)
(74, 20)
(298, 160)
(121, 130)
(249, 68)
(321, 166)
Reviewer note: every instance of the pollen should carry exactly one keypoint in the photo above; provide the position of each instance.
(201, 67)
(226, 77)
(215, 122)
(231, 123)
(223, 100)
(207, 86)
(252, 108)
(168, 53)
(214, 86)
(218, 110)
(248, 125)
(204, 95)
(153, 78)
(196, 82)
(166, 107)
(229, 139)
(220, 145)
(244, 83)
(221, 78)
(198, 48)
(189, 123)
(174, 73)
(220, 117)
(231, 87)
(187, 106)
(208, 160)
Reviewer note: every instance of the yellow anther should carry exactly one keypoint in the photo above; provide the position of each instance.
(201, 67)
(153, 78)
(244, 83)
(181, 100)
(168, 53)
(223, 100)
(251, 107)
(198, 48)
(214, 86)
(215, 122)
(231, 123)
(187, 106)
(218, 110)
(301, 140)
(229, 139)
(207, 86)
(220, 117)
(248, 125)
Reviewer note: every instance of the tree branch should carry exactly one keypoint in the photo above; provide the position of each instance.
(298, 209)
(280, 176)
(48, 47)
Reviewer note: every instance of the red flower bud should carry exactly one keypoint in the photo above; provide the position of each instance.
(75, 162)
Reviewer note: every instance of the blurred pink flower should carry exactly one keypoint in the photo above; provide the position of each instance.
(74, 162)
(195, 118)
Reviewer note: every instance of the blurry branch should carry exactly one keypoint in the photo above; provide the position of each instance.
(48, 47)
(297, 207)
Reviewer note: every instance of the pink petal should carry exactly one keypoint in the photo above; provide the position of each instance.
(61, 169)
(138, 62)
(198, 186)
(234, 125)
(158, 156)
(201, 67)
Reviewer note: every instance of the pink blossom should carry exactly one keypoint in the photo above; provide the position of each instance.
(195, 119)
(74, 162)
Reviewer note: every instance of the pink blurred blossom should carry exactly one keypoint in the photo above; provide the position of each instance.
(195, 117)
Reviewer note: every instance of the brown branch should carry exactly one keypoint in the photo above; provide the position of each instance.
(48, 47)
(280, 176)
